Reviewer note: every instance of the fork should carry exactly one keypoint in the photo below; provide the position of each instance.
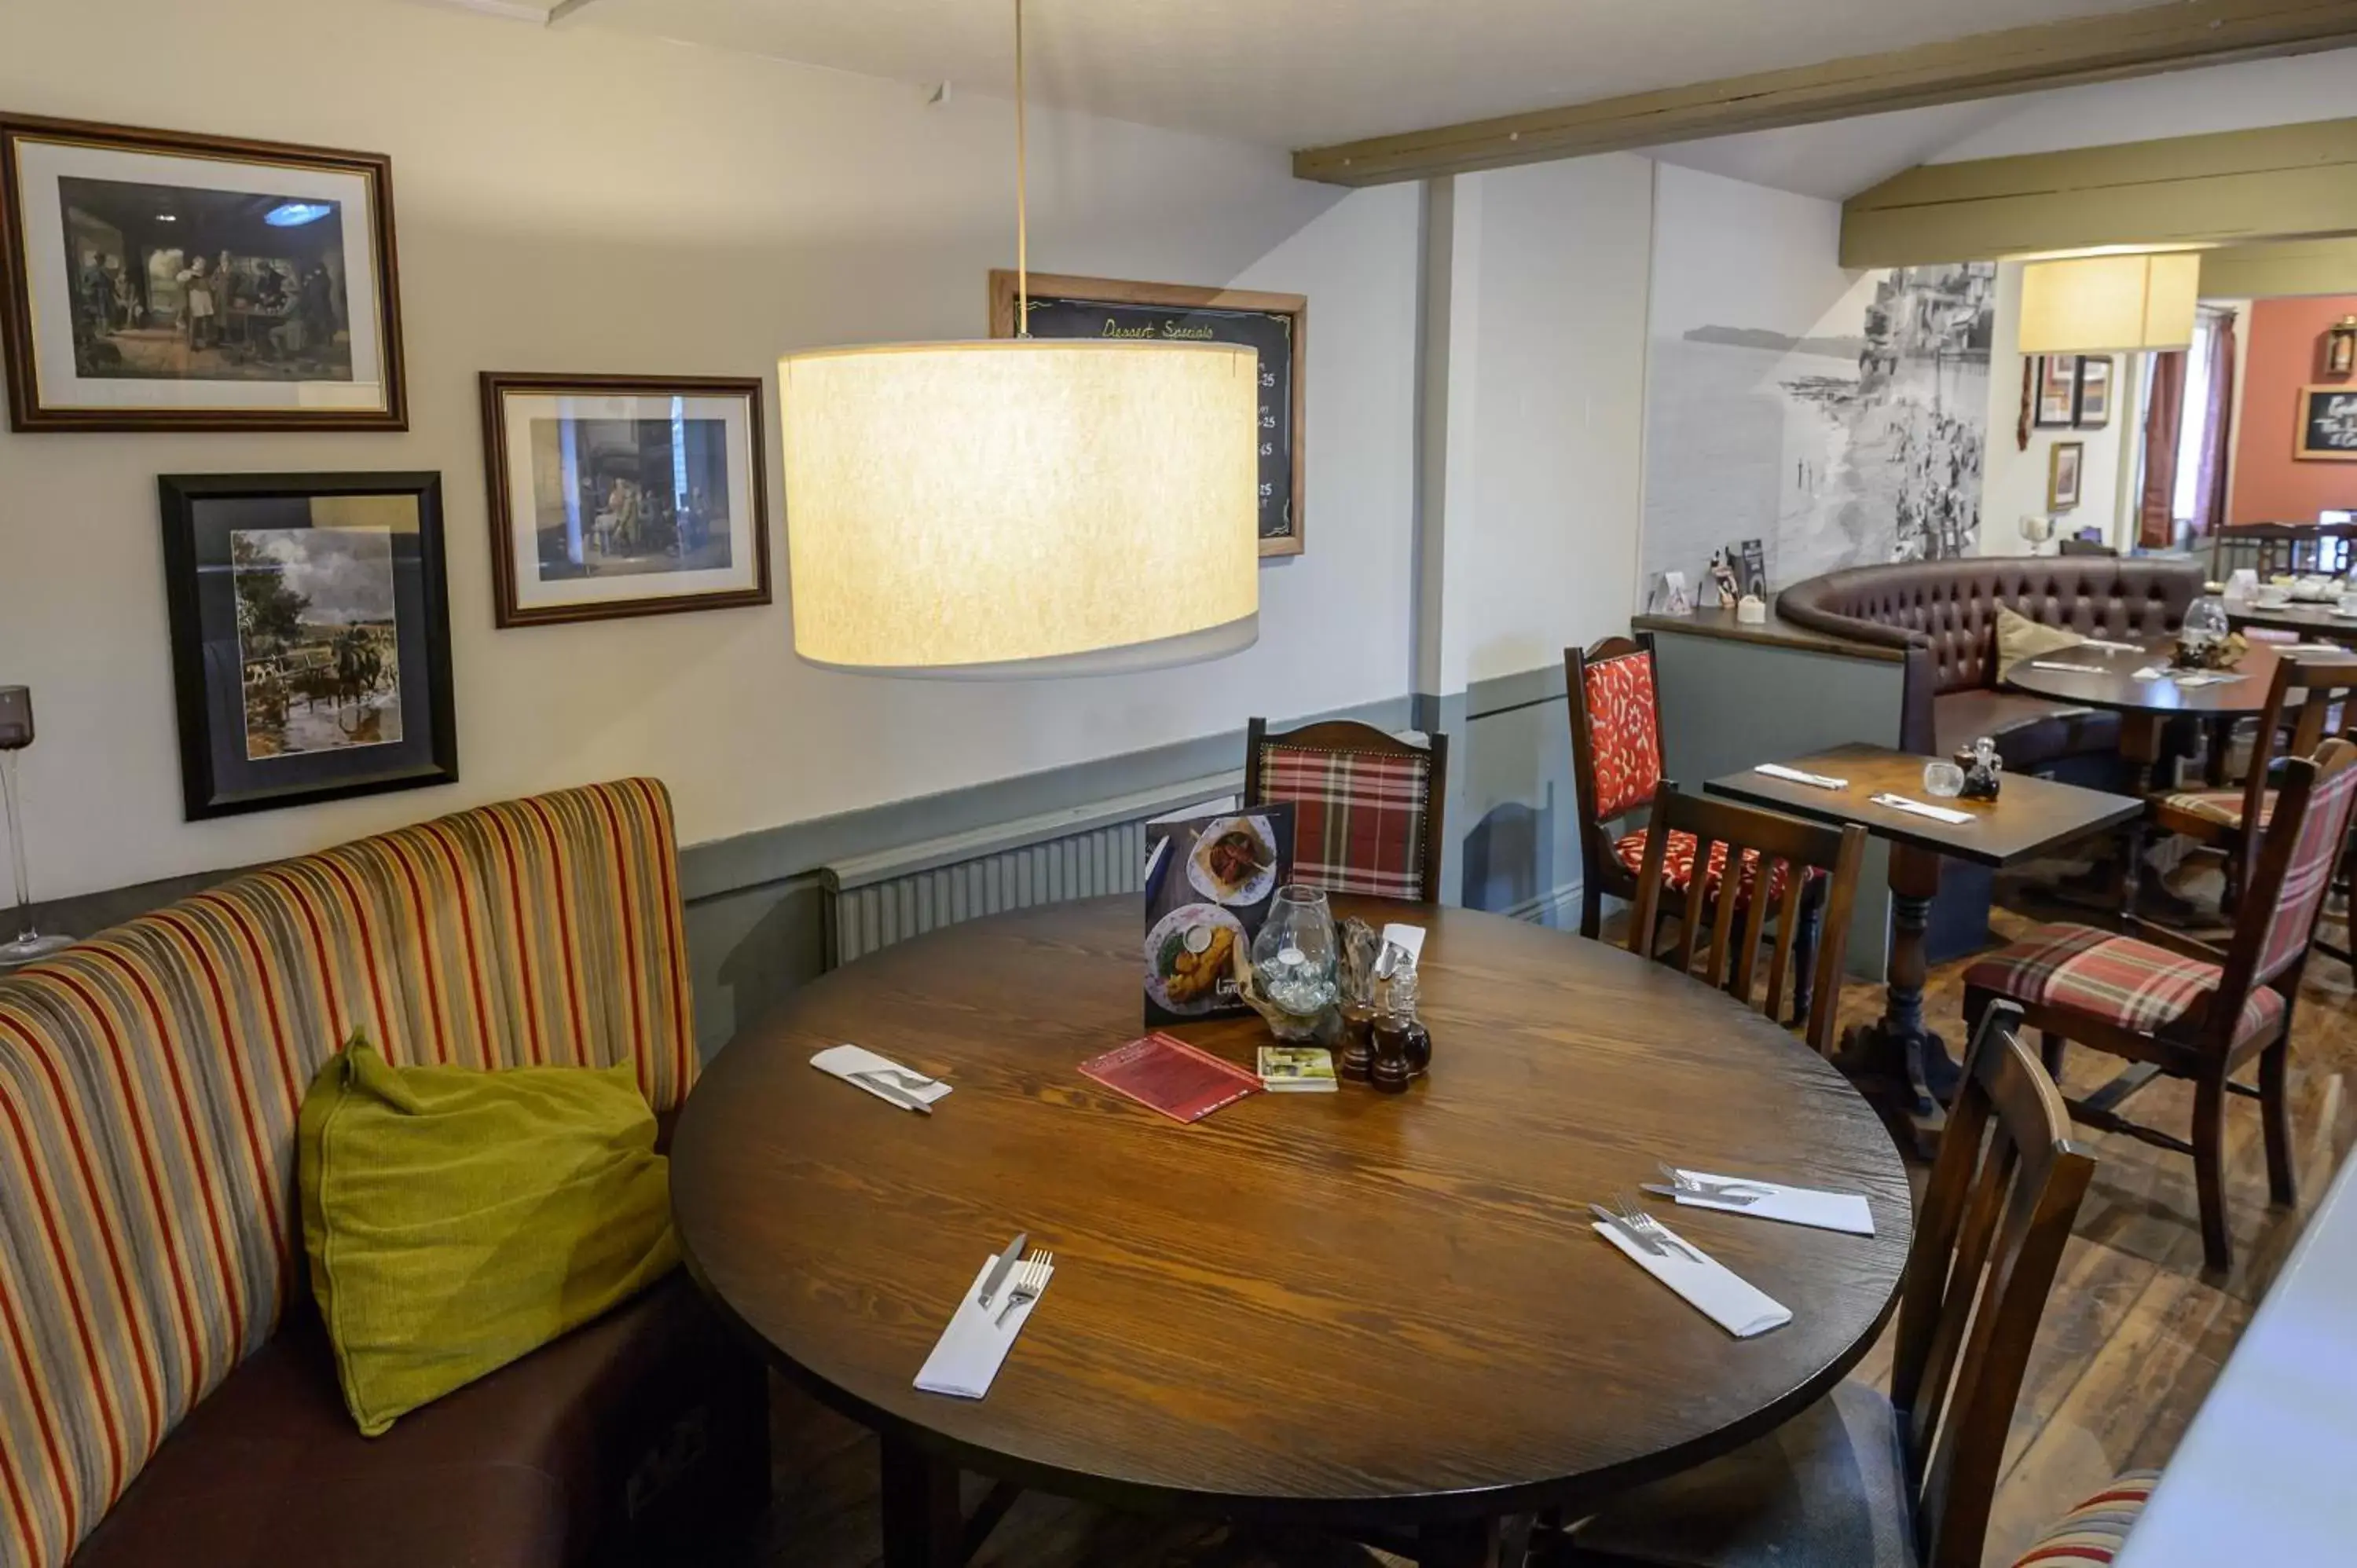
(1635, 1216)
(1716, 1191)
(1030, 1279)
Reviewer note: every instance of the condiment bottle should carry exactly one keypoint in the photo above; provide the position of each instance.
(1403, 1047)
(1356, 1058)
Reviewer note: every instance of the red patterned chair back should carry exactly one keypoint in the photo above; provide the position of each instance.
(2296, 859)
(1366, 808)
(1618, 709)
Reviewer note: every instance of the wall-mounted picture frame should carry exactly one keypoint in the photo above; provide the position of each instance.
(159, 280)
(616, 496)
(310, 633)
(2326, 430)
(2065, 472)
(1276, 325)
(2093, 409)
(2057, 391)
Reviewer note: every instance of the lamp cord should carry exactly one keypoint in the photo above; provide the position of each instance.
(1022, 193)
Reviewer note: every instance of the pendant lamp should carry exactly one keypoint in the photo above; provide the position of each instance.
(2110, 305)
(1013, 506)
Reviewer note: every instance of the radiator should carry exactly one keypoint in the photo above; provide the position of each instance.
(877, 900)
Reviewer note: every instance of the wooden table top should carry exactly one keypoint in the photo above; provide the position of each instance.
(1345, 1308)
(2118, 689)
(2029, 816)
(2311, 618)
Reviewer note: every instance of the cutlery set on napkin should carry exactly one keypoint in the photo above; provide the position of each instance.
(968, 1354)
(1709, 1287)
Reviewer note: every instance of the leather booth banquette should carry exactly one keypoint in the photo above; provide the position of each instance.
(1943, 614)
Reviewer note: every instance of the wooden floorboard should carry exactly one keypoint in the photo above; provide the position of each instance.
(2134, 1337)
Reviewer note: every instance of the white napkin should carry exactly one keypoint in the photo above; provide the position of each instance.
(1408, 938)
(1917, 807)
(2073, 669)
(2206, 678)
(972, 1348)
(1816, 780)
(2152, 672)
(1844, 1211)
(845, 1061)
(2111, 646)
(1709, 1287)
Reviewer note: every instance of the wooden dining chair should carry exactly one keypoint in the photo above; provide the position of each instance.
(1616, 766)
(2174, 1007)
(2305, 701)
(1867, 1480)
(1367, 807)
(1725, 933)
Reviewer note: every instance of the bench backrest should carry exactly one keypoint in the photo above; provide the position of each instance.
(149, 1080)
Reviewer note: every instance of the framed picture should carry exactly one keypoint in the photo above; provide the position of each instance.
(624, 496)
(159, 280)
(2057, 391)
(2094, 407)
(2327, 428)
(1276, 325)
(310, 637)
(2064, 468)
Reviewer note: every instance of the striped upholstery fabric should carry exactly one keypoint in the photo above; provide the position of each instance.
(2291, 925)
(2120, 979)
(1358, 817)
(149, 1079)
(2224, 807)
(2095, 1531)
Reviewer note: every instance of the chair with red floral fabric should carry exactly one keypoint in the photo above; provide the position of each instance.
(1616, 762)
(1366, 807)
(2176, 1006)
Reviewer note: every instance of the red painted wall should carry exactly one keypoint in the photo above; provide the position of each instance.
(2287, 354)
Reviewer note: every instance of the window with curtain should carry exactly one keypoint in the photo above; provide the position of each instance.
(2193, 428)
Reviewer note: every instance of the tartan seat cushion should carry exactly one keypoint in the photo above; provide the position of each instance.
(2224, 807)
(2095, 1531)
(2119, 979)
(1358, 817)
(1678, 862)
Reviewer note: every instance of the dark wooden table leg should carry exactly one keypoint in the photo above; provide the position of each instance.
(1898, 1060)
(923, 1525)
(1463, 1543)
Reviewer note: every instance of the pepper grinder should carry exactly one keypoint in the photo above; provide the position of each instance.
(1403, 1046)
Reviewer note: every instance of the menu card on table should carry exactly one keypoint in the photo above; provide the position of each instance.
(1171, 1076)
(1209, 885)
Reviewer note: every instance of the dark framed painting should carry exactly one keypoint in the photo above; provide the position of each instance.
(157, 279)
(1273, 325)
(624, 496)
(2094, 405)
(2057, 391)
(310, 637)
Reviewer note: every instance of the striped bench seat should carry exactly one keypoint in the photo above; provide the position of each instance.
(151, 1410)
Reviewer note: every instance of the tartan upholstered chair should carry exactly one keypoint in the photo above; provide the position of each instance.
(2173, 1005)
(2304, 705)
(1616, 762)
(1366, 807)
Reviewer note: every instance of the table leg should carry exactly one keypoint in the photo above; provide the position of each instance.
(924, 1527)
(1462, 1543)
(1899, 1058)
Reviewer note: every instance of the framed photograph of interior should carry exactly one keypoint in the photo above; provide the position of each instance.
(155, 280)
(2057, 391)
(310, 637)
(624, 496)
(2094, 410)
(1276, 325)
(2065, 468)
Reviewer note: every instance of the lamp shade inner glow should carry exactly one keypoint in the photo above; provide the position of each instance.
(1020, 506)
(2110, 305)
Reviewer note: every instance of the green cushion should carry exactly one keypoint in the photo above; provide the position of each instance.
(457, 1220)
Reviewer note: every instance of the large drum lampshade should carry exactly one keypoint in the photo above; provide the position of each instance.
(1022, 506)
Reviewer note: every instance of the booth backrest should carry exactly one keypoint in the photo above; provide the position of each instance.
(1949, 607)
(149, 1080)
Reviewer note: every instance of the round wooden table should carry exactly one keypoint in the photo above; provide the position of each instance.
(1344, 1309)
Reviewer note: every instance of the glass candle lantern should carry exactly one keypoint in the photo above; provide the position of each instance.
(1295, 955)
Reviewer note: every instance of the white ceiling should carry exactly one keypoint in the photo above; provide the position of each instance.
(1297, 73)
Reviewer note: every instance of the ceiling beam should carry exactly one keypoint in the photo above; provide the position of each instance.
(2019, 59)
(2227, 188)
(2273, 271)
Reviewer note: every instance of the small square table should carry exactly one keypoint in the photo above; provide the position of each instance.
(2029, 817)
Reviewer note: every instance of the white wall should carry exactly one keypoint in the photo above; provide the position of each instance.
(1545, 412)
(571, 200)
(2014, 482)
(2240, 97)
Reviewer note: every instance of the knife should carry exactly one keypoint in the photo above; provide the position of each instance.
(998, 1270)
(892, 1091)
(1637, 1238)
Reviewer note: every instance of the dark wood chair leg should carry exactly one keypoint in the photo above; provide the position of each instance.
(1804, 947)
(1591, 908)
(924, 1526)
(1463, 1543)
(2274, 1064)
(2210, 1167)
(2049, 1051)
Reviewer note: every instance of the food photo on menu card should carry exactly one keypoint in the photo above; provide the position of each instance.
(1209, 881)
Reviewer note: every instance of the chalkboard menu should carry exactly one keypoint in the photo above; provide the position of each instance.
(2328, 422)
(1274, 324)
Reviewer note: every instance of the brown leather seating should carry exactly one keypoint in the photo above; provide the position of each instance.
(1943, 614)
